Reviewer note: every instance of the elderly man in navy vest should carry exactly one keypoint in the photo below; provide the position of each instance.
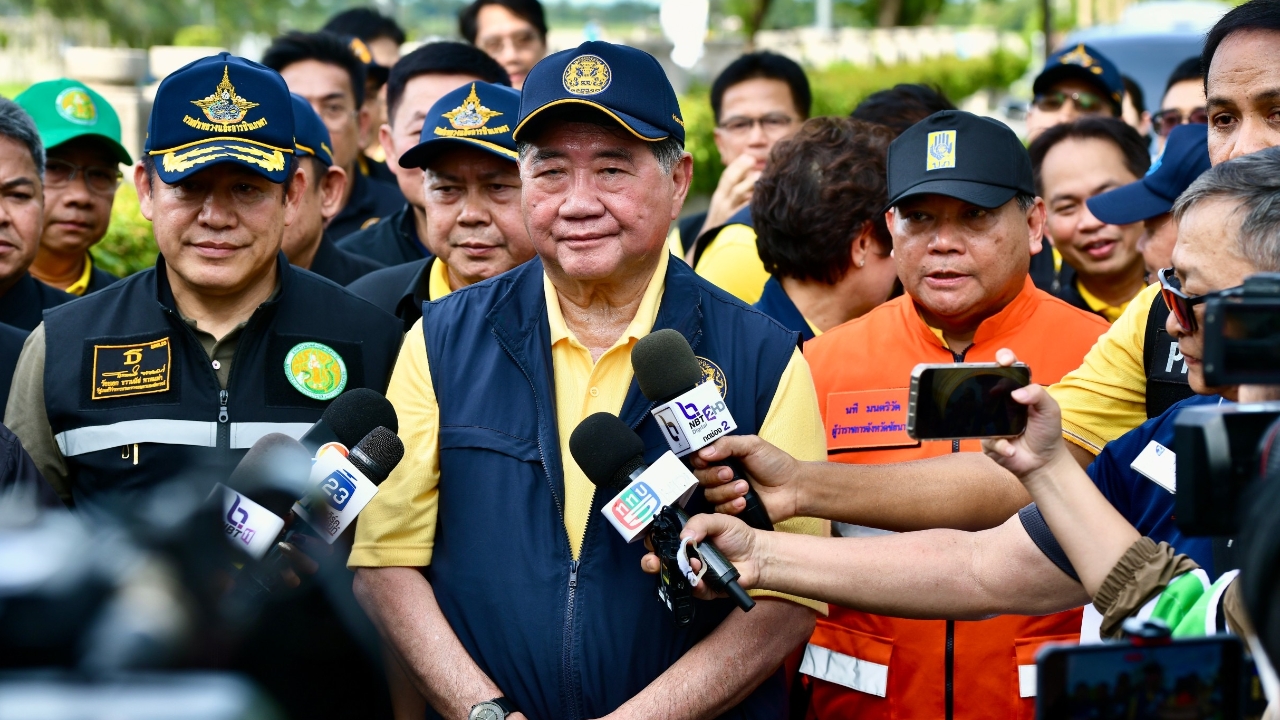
(485, 559)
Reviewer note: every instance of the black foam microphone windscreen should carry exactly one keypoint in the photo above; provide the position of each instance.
(665, 365)
(354, 413)
(606, 449)
(377, 454)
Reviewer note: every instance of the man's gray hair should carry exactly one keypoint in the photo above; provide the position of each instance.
(1253, 183)
(667, 152)
(15, 123)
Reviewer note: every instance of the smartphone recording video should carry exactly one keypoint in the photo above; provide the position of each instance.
(963, 401)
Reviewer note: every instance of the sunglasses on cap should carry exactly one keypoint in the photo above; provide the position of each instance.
(1166, 120)
(1086, 101)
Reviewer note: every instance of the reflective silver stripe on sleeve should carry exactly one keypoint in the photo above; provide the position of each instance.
(244, 435)
(93, 438)
(846, 670)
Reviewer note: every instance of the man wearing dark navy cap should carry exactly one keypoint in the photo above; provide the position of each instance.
(1077, 80)
(484, 558)
(471, 189)
(306, 243)
(134, 385)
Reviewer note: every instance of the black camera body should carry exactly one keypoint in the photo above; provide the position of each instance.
(1242, 333)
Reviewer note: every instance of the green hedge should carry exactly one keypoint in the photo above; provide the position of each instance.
(130, 245)
(836, 90)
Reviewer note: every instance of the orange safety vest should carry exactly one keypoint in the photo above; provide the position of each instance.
(869, 666)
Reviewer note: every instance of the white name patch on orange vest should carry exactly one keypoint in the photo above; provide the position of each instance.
(867, 419)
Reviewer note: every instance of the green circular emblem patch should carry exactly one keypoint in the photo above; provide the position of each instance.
(75, 105)
(316, 370)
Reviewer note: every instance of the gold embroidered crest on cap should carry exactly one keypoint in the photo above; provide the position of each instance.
(587, 75)
(225, 109)
(470, 118)
(1080, 57)
(124, 370)
(271, 161)
(712, 372)
(360, 50)
(942, 150)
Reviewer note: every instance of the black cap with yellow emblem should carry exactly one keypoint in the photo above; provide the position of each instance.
(478, 115)
(624, 83)
(221, 109)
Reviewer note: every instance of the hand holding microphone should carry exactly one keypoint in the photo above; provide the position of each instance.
(739, 544)
(774, 474)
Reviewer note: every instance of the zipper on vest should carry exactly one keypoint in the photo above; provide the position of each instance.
(951, 668)
(224, 428)
(566, 651)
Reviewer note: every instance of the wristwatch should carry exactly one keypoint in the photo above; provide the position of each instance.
(495, 709)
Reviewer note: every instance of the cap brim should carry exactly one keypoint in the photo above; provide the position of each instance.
(177, 163)
(419, 155)
(1129, 204)
(975, 193)
(53, 140)
(639, 128)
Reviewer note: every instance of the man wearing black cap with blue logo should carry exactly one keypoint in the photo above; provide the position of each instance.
(471, 189)
(1076, 81)
(484, 558)
(306, 243)
(135, 384)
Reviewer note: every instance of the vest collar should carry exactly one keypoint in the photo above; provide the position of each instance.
(1012, 317)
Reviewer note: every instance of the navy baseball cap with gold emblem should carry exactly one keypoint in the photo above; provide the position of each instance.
(310, 136)
(221, 109)
(622, 82)
(1082, 62)
(960, 155)
(478, 115)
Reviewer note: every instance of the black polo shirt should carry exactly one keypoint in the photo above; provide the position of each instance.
(393, 241)
(370, 201)
(338, 265)
(24, 304)
(399, 290)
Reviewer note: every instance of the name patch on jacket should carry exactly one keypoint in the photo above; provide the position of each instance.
(125, 370)
(867, 419)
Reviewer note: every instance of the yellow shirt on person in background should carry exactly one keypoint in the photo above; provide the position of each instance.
(398, 526)
(1106, 396)
(81, 284)
(732, 263)
(438, 280)
(1111, 312)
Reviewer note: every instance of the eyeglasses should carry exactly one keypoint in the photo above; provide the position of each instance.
(771, 124)
(1087, 102)
(1166, 120)
(101, 180)
(1179, 303)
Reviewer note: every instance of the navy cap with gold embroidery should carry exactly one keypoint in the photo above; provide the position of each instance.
(478, 115)
(310, 136)
(221, 109)
(1081, 62)
(622, 82)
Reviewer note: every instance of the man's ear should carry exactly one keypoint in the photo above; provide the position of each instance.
(1035, 225)
(682, 179)
(388, 144)
(333, 184)
(293, 194)
(142, 184)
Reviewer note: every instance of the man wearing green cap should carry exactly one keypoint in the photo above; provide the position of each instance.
(81, 135)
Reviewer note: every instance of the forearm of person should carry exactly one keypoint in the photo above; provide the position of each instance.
(928, 574)
(723, 669)
(1090, 530)
(402, 604)
(963, 491)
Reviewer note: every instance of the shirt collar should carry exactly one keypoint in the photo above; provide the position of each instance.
(81, 285)
(1011, 315)
(641, 324)
(438, 280)
(1100, 306)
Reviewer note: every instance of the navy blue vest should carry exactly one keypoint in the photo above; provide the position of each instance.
(167, 399)
(565, 639)
(775, 303)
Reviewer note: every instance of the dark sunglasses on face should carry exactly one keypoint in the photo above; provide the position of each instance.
(1166, 120)
(1086, 101)
(1182, 305)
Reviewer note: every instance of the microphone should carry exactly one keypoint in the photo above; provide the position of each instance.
(349, 418)
(342, 486)
(690, 412)
(258, 493)
(612, 457)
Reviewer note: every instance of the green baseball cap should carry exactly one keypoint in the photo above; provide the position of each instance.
(66, 109)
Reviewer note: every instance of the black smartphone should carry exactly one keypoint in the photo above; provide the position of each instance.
(960, 401)
(1192, 679)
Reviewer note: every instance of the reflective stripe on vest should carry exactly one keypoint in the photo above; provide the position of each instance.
(851, 672)
(92, 438)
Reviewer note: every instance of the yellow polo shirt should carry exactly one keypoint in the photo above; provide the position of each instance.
(398, 526)
(81, 284)
(1106, 396)
(732, 263)
(1111, 312)
(438, 280)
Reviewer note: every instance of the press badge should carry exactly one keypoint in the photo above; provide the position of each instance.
(1158, 464)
